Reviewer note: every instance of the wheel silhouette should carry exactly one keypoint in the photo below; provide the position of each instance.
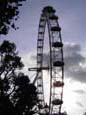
(55, 63)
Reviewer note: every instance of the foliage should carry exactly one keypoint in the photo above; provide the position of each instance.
(9, 10)
(17, 95)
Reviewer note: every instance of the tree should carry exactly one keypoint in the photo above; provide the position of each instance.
(9, 10)
(25, 96)
(17, 95)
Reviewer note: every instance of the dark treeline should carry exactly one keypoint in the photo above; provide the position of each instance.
(17, 95)
(9, 13)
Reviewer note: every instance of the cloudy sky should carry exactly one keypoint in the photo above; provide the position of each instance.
(72, 19)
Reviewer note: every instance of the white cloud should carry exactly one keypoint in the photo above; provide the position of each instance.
(29, 62)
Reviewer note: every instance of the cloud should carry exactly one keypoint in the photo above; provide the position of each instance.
(29, 62)
(73, 56)
(75, 62)
(79, 74)
(45, 59)
(80, 91)
(80, 104)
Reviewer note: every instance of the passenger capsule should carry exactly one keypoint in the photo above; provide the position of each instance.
(57, 102)
(57, 44)
(58, 84)
(58, 63)
(55, 28)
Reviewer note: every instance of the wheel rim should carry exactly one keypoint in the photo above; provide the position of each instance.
(56, 67)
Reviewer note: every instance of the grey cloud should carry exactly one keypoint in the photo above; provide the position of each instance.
(72, 55)
(80, 91)
(45, 59)
(79, 75)
(72, 59)
(80, 104)
(71, 48)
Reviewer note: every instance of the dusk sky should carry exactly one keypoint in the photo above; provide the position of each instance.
(72, 19)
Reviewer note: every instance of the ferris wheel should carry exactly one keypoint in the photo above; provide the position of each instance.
(55, 66)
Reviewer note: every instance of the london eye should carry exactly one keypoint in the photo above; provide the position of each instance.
(49, 20)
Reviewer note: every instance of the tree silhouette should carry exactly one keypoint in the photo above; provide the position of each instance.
(25, 96)
(9, 10)
(17, 95)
